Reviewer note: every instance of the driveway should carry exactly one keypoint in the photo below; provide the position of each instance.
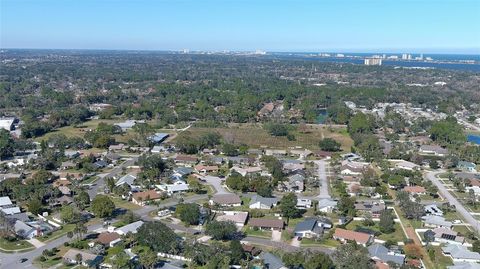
(432, 176)
(295, 242)
(36, 243)
(322, 176)
(276, 236)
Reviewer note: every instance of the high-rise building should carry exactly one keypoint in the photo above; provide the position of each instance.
(373, 61)
(406, 56)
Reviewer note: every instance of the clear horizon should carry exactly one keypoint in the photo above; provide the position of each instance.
(361, 26)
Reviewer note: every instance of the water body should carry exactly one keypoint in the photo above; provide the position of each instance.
(474, 139)
(400, 63)
(322, 116)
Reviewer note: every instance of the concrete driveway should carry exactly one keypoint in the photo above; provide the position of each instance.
(276, 236)
(295, 242)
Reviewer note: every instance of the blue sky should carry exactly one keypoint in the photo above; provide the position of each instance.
(291, 25)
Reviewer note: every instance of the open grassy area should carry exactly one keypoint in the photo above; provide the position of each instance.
(119, 202)
(257, 233)
(397, 235)
(331, 243)
(440, 260)
(256, 136)
(58, 233)
(8, 246)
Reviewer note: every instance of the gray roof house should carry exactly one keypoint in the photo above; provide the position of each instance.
(308, 228)
(126, 179)
(88, 259)
(271, 261)
(5, 201)
(464, 265)
(24, 230)
(436, 221)
(467, 166)
(381, 253)
(259, 202)
(326, 205)
(460, 253)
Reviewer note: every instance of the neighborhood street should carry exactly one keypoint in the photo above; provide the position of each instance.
(432, 176)
(323, 177)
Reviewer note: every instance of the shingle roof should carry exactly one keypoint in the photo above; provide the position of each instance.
(271, 261)
(226, 199)
(381, 252)
(306, 225)
(267, 223)
(263, 200)
(361, 238)
(4, 201)
(460, 252)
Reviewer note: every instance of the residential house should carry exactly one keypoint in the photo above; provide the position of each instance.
(108, 239)
(295, 183)
(353, 168)
(67, 165)
(87, 259)
(185, 160)
(275, 152)
(271, 261)
(128, 180)
(226, 200)
(308, 228)
(419, 190)
(327, 205)
(293, 165)
(158, 138)
(128, 124)
(448, 236)
(117, 147)
(239, 218)
(436, 221)
(433, 150)
(374, 208)
(303, 203)
(100, 164)
(467, 166)
(460, 254)
(129, 228)
(177, 187)
(204, 169)
(267, 224)
(140, 198)
(252, 250)
(259, 202)
(346, 235)
(433, 209)
(24, 230)
(5, 202)
(181, 172)
(406, 165)
(380, 253)
(247, 171)
(72, 154)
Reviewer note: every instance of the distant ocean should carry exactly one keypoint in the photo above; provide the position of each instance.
(454, 60)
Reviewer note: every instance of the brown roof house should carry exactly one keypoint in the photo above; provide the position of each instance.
(267, 224)
(415, 190)
(140, 198)
(226, 200)
(108, 239)
(346, 235)
(87, 259)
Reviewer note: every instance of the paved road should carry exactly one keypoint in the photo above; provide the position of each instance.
(322, 176)
(216, 182)
(432, 176)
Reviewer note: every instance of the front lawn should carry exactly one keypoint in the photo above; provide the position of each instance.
(257, 233)
(119, 202)
(397, 235)
(58, 233)
(6, 245)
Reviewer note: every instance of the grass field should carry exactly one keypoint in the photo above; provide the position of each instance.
(6, 245)
(124, 204)
(257, 233)
(58, 233)
(255, 136)
(396, 236)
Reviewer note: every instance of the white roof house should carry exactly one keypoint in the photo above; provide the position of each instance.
(132, 227)
(433, 210)
(259, 202)
(173, 188)
(304, 203)
(6, 123)
(10, 210)
(5, 201)
(127, 179)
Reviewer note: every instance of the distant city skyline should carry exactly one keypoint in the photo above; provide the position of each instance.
(348, 26)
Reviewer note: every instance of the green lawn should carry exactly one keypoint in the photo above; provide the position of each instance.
(396, 236)
(6, 245)
(119, 202)
(331, 243)
(440, 260)
(58, 233)
(257, 233)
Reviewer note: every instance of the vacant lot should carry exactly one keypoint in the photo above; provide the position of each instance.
(256, 136)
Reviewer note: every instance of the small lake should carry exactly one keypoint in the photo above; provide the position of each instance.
(474, 139)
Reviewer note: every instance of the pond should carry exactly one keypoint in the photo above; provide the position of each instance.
(474, 139)
(322, 116)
